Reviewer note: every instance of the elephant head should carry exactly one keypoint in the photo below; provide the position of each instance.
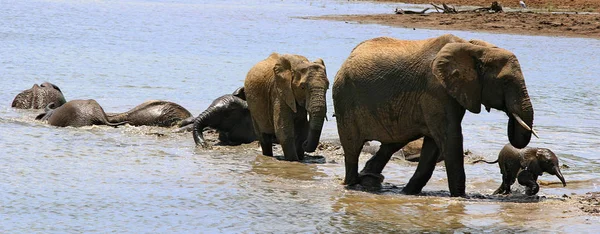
(479, 73)
(541, 160)
(39, 96)
(304, 84)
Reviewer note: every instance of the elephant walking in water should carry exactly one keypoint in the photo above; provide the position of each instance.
(525, 165)
(396, 91)
(39, 96)
(153, 113)
(281, 91)
(77, 113)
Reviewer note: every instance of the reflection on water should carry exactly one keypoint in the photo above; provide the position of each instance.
(147, 179)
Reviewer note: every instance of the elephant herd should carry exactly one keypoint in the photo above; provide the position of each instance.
(388, 90)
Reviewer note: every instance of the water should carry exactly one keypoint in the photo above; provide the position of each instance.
(126, 179)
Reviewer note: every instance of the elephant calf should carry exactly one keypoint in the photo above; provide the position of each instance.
(153, 113)
(229, 115)
(77, 113)
(39, 96)
(525, 165)
(281, 91)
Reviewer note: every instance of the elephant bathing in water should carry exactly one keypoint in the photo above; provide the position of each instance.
(525, 165)
(39, 96)
(396, 91)
(77, 113)
(153, 113)
(281, 91)
(229, 115)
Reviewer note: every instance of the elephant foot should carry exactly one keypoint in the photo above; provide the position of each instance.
(371, 181)
(411, 190)
(350, 181)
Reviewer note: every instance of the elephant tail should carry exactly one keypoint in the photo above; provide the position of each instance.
(117, 124)
(481, 160)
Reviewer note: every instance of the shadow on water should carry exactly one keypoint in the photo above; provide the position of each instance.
(308, 159)
(516, 197)
(276, 166)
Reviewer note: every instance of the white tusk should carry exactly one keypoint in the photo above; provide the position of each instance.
(535, 134)
(524, 125)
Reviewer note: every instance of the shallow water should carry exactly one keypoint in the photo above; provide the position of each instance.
(126, 179)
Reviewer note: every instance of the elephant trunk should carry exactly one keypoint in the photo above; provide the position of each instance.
(199, 124)
(556, 171)
(520, 114)
(317, 110)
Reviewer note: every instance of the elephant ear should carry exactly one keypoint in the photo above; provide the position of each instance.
(455, 67)
(240, 92)
(320, 61)
(283, 82)
(531, 161)
(482, 43)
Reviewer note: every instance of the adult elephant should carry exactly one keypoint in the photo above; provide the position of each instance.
(395, 91)
(39, 96)
(281, 90)
(229, 115)
(153, 113)
(77, 113)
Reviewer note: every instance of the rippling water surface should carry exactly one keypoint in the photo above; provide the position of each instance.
(126, 179)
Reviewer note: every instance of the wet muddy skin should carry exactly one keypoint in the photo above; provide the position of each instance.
(148, 179)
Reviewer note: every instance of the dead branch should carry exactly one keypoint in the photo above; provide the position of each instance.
(445, 8)
(408, 12)
(495, 7)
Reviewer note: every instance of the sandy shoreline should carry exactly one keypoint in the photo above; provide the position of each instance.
(512, 21)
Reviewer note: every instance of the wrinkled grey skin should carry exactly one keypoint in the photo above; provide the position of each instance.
(281, 91)
(396, 91)
(77, 113)
(525, 165)
(153, 113)
(229, 115)
(39, 96)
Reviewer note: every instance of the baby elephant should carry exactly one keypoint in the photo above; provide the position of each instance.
(230, 116)
(76, 113)
(525, 165)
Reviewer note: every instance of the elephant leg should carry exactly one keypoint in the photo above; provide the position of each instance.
(429, 155)
(266, 144)
(266, 140)
(289, 149)
(352, 150)
(301, 130)
(529, 180)
(504, 188)
(370, 176)
(455, 164)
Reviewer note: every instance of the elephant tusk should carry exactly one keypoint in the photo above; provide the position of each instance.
(524, 125)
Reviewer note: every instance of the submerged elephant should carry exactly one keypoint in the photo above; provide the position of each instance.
(39, 96)
(77, 113)
(281, 91)
(153, 113)
(396, 91)
(229, 115)
(525, 165)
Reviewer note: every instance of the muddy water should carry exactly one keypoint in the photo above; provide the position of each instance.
(126, 179)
